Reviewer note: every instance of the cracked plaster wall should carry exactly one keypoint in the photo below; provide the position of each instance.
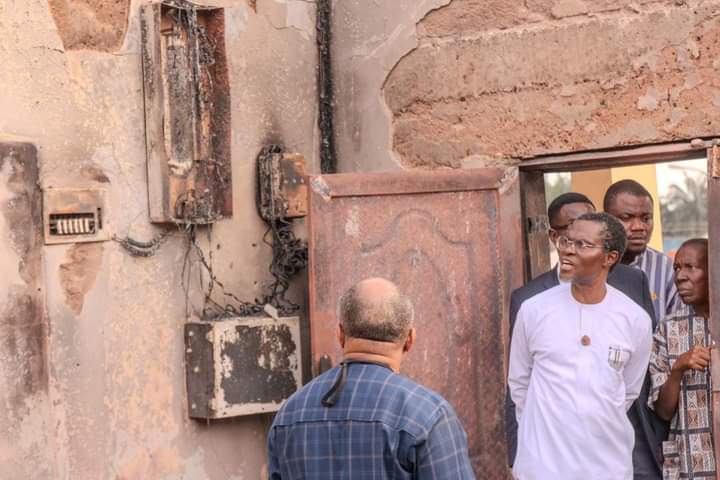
(480, 82)
(366, 45)
(115, 348)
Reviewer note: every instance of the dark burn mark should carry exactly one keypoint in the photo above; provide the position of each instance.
(94, 174)
(22, 320)
(263, 370)
(326, 90)
(25, 374)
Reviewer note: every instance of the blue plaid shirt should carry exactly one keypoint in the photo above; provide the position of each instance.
(383, 426)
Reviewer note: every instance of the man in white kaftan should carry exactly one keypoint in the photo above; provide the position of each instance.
(578, 359)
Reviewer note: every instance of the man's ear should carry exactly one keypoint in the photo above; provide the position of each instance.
(552, 235)
(612, 258)
(340, 335)
(409, 341)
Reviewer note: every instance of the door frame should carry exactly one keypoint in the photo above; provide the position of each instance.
(535, 222)
(532, 186)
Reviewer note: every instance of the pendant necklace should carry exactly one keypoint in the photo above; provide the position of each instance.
(584, 340)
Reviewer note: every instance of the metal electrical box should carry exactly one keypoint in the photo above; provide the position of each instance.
(187, 112)
(241, 366)
(283, 190)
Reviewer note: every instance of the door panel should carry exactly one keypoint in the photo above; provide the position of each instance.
(452, 242)
(535, 222)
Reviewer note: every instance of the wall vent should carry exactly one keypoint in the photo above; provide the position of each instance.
(74, 215)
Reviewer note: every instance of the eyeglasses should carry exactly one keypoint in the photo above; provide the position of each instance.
(564, 243)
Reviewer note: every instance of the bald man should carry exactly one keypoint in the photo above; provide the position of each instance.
(362, 419)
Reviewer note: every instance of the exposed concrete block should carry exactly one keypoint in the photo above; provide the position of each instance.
(650, 100)
(471, 17)
(569, 8)
(91, 24)
(554, 87)
(505, 61)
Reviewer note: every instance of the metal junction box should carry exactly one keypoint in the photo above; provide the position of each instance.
(283, 191)
(187, 112)
(241, 365)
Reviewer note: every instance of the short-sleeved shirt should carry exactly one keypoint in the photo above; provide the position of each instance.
(688, 451)
(383, 425)
(659, 270)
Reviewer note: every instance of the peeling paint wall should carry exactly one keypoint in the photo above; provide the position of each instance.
(366, 45)
(115, 381)
(79, 272)
(24, 400)
(477, 82)
(92, 24)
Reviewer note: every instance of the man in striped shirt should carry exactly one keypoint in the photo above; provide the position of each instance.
(632, 204)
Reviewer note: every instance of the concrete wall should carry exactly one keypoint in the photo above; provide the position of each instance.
(457, 83)
(25, 419)
(419, 84)
(114, 392)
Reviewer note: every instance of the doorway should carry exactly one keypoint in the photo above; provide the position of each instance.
(688, 197)
(678, 187)
(675, 174)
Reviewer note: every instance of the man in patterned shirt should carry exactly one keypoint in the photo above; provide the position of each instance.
(362, 419)
(679, 363)
(632, 204)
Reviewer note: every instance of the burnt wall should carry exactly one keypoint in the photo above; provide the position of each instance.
(114, 385)
(24, 416)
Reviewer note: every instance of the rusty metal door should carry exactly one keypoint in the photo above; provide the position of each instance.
(452, 241)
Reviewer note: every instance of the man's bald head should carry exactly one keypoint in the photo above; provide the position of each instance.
(374, 309)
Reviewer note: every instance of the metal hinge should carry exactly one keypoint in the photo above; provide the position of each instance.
(715, 160)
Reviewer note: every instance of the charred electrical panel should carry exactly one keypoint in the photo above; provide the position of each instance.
(241, 366)
(74, 215)
(187, 112)
(282, 187)
(243, 357)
